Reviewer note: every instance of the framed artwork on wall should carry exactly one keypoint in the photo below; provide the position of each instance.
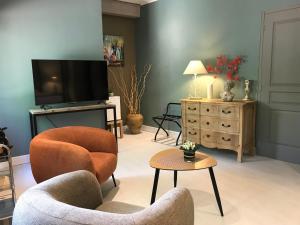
(113, 50)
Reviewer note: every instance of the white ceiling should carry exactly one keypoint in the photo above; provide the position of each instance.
(139, 2)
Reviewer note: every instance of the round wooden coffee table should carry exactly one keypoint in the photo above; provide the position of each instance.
(172, 159)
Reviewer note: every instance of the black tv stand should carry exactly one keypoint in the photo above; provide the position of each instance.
(34, 113)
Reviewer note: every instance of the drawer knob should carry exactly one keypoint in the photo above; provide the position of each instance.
(192, 121)
(207, 123)
(207, 110)
(226, 139)
(189, 108)
(192, 133)
(208, 136)
(226, 126)
(226, 112)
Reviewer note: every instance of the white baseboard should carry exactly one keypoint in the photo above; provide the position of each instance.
(17, 160)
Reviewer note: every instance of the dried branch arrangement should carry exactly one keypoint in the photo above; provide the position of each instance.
(134, 91)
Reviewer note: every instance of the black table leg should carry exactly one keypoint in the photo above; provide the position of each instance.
(115, 123)
(175, 178)
(214, 183)
(114, 180)
(154, 186)
(31, 125)
(35, 125)
(105, 119)
(178, 137)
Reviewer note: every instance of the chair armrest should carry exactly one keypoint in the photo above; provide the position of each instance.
(174, 208)
(51, 158)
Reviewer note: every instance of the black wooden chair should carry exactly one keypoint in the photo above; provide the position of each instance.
(172, 114)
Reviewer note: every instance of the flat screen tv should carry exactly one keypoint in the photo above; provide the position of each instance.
(64, 81)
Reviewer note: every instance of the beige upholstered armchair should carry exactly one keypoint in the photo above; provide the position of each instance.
(75, 198)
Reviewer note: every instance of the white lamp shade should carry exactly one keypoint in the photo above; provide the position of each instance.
(195, 67)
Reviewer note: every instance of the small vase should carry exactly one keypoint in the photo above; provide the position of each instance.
(189, 156)
(227, 95)
(134, 123)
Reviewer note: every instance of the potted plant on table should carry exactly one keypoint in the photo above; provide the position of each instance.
(132, 94)
(189, 148)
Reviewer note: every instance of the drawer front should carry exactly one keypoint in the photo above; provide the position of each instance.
(209, 138)
(192, 120)
(209, 123)
(231, 112)
(193, 135)
(230, 126)
(192, 108)
(228, 141)
(209, 109)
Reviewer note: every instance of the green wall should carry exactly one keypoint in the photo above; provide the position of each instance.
(49, 29)
(172, 32)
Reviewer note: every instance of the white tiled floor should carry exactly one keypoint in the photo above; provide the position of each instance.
(260, 191)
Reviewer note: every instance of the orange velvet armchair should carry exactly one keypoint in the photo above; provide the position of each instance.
(61, 150)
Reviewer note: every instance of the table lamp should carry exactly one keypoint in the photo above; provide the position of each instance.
(195, 67)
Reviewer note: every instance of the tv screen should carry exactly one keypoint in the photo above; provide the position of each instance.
(62, 81)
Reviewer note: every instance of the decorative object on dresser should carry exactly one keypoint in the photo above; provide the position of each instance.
(227, 95)
(210, 88)
(114, 100)
(247, 90)
(132, 94)
(172, 114)
(218, 124)
(195, 67)
(231, 69)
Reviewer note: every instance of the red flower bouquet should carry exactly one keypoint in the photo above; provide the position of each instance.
(230, 68)
(226, 66)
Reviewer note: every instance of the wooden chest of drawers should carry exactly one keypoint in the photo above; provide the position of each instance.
(218, 124)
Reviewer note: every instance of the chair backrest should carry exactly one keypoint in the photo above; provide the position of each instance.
(91, 138)
(70, 199)
(173, 109)
(53, 199)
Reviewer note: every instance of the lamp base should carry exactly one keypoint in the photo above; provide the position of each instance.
(195, 98)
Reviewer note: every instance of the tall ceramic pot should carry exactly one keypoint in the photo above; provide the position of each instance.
(134, 123)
